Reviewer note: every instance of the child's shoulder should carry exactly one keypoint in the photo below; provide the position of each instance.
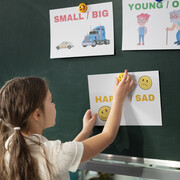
(53, 145)
(39, 139)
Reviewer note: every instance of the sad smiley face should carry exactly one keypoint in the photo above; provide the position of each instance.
(145, 82)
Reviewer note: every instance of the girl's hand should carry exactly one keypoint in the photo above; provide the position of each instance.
(88, 122)
(123, 88)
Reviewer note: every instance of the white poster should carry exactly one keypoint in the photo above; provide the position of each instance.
(142, 107)
(150, 25)
(75, 34)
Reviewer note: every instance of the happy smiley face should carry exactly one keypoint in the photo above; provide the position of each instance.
(120, 76)
(82, 7)
(104, 112)
(145, 82)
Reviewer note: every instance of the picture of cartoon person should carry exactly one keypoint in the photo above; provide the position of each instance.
(175, 19)
(142, 19)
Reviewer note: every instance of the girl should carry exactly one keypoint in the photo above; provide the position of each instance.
(26, 109)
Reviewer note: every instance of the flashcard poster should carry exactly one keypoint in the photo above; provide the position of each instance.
(75, 34)
(150, 25)
(142, 107)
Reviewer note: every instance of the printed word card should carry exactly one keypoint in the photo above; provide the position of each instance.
(75, 34)
(142, 107)
(150, 25)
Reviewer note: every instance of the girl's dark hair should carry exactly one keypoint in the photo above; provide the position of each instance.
(19, 98)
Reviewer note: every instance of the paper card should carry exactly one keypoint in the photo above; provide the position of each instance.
(142, 107)
(75, 34)
(149, 25)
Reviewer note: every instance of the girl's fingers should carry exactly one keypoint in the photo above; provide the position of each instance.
(128, 80)
(94, 117)
(125, 76)
(132, 81)
(117, 82)
(88, 114)
(132, 85)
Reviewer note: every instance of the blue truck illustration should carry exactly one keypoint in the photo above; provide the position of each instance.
(95, 37)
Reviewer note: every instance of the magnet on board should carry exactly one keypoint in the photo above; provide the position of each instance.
(82, 7)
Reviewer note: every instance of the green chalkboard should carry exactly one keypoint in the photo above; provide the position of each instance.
(25, 50)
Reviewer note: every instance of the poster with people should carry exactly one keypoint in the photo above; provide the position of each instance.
(75, 33)
(142, 107)
(149, 25)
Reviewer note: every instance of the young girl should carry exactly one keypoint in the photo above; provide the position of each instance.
(26, 109)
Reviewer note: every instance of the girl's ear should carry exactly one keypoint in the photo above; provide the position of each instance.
(37, 115)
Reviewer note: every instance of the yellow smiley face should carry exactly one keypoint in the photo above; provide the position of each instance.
(145, 82)
(104, 112)
(120, 76)
(82, 7)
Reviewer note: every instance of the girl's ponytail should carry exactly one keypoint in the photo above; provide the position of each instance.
(4, 134)
(21, 159)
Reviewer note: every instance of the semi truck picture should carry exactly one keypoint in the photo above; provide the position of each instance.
(95, 37)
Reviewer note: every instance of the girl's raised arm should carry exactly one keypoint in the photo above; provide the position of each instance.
(97, 143)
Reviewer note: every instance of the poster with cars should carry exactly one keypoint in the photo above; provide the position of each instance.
(150, 25)
(76, 34)
(142, 107)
